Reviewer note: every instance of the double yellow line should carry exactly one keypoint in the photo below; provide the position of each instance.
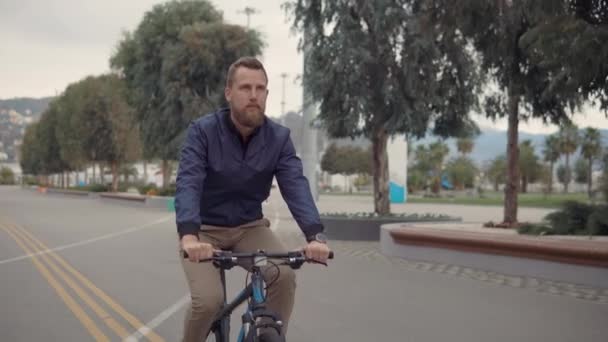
(31, 245)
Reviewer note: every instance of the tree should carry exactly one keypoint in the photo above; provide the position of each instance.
(496, 171)
(438, 151)
(97, 124)
(581, 171)
(30, 160)
(591, 148)
(378, 69)
(465, 145)
(48, 149)
(496, 30)
(174, 64)
(462, 172)
(7, 176)
(551, 154)
(572, 48)
(568, 144)
(347, 161)
(563, 172)
(529, 167)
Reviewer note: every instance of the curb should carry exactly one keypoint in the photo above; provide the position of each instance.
(156, 202)
(578, 261)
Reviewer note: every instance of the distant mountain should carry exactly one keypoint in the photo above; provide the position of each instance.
(492, 143)
(25, 105)
(12, 127)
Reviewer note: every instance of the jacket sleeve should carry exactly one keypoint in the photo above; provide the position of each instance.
(295, 190)
(189, 183)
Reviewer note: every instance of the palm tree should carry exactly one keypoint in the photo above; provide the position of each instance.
(568, 143)
(591, 148)
(551, 154)
(438, 151)
(465, 145)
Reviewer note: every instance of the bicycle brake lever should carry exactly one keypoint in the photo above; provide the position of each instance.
(316, 262)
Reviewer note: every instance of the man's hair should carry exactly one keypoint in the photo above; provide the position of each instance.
(246, 62)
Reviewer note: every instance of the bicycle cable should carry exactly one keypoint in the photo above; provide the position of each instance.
(268, 284)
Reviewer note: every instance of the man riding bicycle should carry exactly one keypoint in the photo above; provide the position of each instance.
(226, 168)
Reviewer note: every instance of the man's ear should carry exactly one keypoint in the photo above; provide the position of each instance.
(227, 94)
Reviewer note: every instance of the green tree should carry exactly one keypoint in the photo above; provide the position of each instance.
(30, 160)
(563, 174)
(329, 161)
(581, 171)
(346, 160)
(591, 149)
(174, 64)
(572, 48)
(379, 69)
(48, 148)
(496, 30)
(438, 152)
(462, 172)
(568, 144)
(7, 176)
(551, 154)
(496, 171)
(529, 166)
(97, 124)
(465, 145)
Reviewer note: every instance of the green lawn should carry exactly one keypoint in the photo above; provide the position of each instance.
(494, 198)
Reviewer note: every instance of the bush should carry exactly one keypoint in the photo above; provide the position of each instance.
(535, 229)
(604, 185)
(7, 177)
(169, 191)
(571, 219)
(597, 224)
(574, 218)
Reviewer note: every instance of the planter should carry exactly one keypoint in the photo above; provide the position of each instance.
(367, 228)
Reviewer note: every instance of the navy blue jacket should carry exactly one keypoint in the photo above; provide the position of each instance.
(222, 181)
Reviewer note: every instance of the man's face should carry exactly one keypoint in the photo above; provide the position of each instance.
(247, 96)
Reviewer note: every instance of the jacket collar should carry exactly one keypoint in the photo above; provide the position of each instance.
(231, 134)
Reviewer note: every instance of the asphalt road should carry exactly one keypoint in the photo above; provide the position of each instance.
(102, 271)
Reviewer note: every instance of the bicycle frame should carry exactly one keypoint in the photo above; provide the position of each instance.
(255, 290)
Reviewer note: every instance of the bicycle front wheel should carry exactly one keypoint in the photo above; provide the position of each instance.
(271, 337)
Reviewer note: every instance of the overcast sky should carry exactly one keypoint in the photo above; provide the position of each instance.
(46, 45)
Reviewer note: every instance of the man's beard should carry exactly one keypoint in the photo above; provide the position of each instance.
(251, 117)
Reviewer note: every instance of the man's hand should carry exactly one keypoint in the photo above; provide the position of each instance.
(196, 250)
(317, 251)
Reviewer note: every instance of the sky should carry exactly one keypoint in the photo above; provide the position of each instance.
(46, 45)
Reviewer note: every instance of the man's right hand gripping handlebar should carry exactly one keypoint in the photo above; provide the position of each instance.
(196, 250)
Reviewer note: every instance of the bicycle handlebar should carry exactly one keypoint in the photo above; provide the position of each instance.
(227, 259)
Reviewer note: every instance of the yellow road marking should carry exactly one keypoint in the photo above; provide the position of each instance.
(63, 294)
(150, 335)
(101, 313)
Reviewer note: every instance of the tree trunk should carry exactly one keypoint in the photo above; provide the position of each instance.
(567, 180)
(551, 177)
(94, 176)
(145, 171)
(380, 168)
(166, 173)
(510, 210)
(589, 180)
(102, 179)
(114, 176)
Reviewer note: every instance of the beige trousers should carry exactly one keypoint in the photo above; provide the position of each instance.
(205, 283)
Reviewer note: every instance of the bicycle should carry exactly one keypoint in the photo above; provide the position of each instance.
(256, 316)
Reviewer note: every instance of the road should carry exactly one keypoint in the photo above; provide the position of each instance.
(76, 269)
